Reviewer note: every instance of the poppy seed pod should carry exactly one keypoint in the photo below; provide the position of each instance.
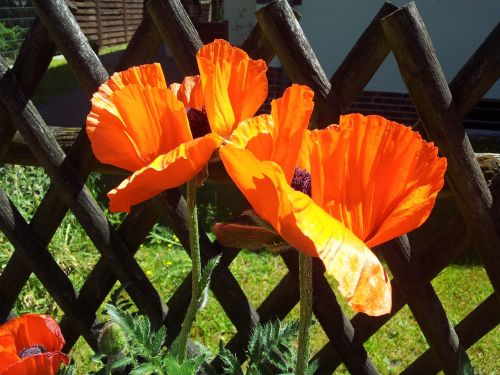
(111, 340)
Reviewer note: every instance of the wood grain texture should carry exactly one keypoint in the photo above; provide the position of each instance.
(429, 91)
(178, 32)
(285, 35)
(425, 306)
(77, 197)
(362, 61)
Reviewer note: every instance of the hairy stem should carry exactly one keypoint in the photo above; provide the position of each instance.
(196, 269)
(306, 294)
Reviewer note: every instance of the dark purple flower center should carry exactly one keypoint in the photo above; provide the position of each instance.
(32, 350)
(301, 181)
(198, 122)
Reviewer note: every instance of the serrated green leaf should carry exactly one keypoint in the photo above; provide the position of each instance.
(143, 369)
(121, 362)
(205, 279)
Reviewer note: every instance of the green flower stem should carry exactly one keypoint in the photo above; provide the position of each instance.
(196, 270)
(306, 294)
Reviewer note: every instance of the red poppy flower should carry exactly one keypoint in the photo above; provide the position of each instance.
(363, 182)
(31, 345)
(166, 136)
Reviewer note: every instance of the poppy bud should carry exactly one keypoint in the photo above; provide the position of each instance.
(111, 340)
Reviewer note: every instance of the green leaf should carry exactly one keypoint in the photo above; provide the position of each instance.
(230, 363)
(205, 280)
(143, 369)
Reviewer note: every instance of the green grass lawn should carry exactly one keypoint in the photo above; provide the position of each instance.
(392, 348)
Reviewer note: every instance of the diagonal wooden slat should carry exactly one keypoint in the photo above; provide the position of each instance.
(77, 197)
(438, 338)
(285, 35)
(473, 327)
(49, 213)
(35, 254)
(425, 305)
(363, 60)
(37, 47)
(427, 85)
(178, 32)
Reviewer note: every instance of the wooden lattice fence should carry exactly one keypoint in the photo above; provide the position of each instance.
(440, 107)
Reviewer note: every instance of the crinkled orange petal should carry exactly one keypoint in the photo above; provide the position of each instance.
(7, 343)
(278, 137)
(189, 92)
(7, 358)
(167, 171)
(307, 227)
(234, 86)
(256, 135)
(376, 176)
(135, 117)
(291, 114)
(40, 364)
(33, 329)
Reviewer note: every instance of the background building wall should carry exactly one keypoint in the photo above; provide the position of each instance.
(456, 27)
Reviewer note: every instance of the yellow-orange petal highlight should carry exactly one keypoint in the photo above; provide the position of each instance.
(291, 114)
(376, 176)
(131, 119)
(189, 92)
(256, 135)
(278, 137)
(234, 86)
(167, 171)
(310, 229)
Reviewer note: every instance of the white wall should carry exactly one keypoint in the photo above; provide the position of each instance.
(456, 27)
(240, 14)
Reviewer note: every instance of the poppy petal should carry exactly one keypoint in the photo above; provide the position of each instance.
(307, 227)
(165, 172)
(234, 86)
(376, 176)
(34, 329)
(7, 358)
(189, 92)
(131, 119)
(40, 364)
(243, 236)
(256, 135)
(291, 114)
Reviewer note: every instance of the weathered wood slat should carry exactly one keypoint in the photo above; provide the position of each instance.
(362, 62)
(32, 61)
(336, 325)
(257, 46)
(65, 32)
(425, 305)
(285, 35)
(77, 197)
(178, 31)
(224, 285)
(100, 281)
(480, 72)
(429, 91)
(475, 325)
(36, 255)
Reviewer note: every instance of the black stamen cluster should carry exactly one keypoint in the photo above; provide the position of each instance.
(32, 350)
(301, 181)
(198, 122)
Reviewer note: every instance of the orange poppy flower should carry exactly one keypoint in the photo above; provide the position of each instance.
(167, 135)
(363, 182)
(31, 345)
